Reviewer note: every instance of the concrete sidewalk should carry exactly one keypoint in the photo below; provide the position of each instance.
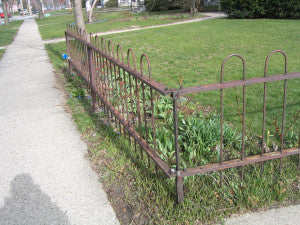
(44, 176)
(280, 216)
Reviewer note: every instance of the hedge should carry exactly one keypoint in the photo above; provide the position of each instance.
(261, 8)
(184, 5)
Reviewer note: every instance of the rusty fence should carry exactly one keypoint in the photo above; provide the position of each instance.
(130, 96)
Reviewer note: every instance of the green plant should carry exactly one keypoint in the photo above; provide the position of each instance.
(261, 8)
(165, 144)
(111, 3)
(8, 32)
(199, 139)
(291, 139)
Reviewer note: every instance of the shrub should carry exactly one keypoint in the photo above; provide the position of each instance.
(261, 8)
(184, 5)
(111, 3)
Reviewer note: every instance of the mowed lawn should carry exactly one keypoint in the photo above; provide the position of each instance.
(55, 25)
(195, 53)
(8, 33)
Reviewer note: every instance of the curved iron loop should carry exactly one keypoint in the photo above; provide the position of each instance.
(111, 48)
(85, 36)
(103, 45)
(133, 58)
(97, 42)
(92, 40)
(148, 62)
(225, 60)
(119, 47)
(268, 57)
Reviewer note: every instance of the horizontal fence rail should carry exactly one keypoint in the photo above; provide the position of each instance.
(131, 98)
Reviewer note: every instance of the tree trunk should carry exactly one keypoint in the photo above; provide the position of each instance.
(194, 8)
(4, 5)
(40, 8)
(22, 9)
(78, 14)
(70, 6)
(90, 12)
(29, 8)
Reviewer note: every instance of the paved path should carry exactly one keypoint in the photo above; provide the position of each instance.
(281, 216)
(209, 16)
(44, 176)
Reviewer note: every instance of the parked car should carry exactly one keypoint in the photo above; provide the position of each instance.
(2, 15)
(24, 10)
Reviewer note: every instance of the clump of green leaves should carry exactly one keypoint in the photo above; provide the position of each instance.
(199, 139)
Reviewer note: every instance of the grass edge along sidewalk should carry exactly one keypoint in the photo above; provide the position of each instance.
(151, 198)
(8, 34)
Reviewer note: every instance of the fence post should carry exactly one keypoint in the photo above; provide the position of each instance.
(179, 178)
(68, 52)
(91, 81)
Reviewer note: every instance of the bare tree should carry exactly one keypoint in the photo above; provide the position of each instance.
(78, 14)
(89, 8)
(29, 8)
(10, 5)
(21, 5)
(40, 8)
(4, 5)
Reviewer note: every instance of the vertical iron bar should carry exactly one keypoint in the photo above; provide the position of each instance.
(138, 110)
(126, 101)
(263, 144)
(283, 114)
(283, 122)
(221, 134)
(153, 126)
(145, 117)
(179, 178)
(68, 52)
(153, 120)
(244, 115)
(243, 125)
(91, 77)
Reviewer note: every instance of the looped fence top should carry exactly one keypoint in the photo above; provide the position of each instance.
(103, 45)
(268, 57)
(111, 48)
(133, 58)
(226, 59)
(119, 48)
(148, 62)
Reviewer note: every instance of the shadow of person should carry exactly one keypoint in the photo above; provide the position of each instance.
(29, 205)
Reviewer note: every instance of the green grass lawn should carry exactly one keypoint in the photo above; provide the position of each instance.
(195, 52)
(8, 34)
(2, 51)
(55, 25)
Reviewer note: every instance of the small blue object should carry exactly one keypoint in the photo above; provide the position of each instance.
(65, 56)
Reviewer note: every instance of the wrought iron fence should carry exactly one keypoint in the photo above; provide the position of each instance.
(131, 98)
